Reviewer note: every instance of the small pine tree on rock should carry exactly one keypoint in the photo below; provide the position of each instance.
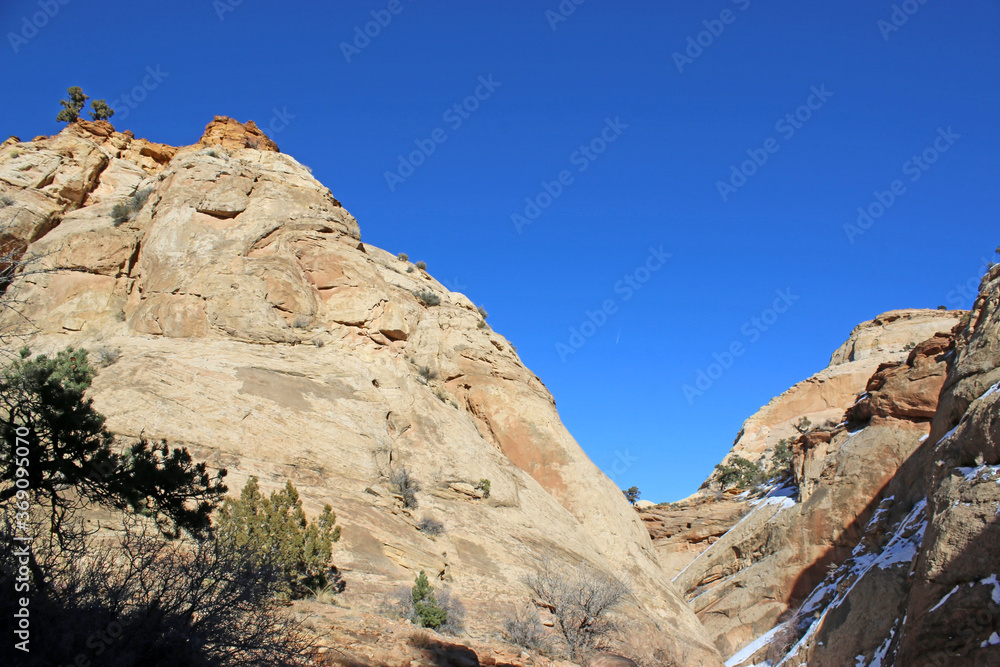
(632, 494)
(426, 609)
(72, 107)
(275, 532)
(100, 110)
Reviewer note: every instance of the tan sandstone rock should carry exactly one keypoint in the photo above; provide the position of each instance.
(257, 330)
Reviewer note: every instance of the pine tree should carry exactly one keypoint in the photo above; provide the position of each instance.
(72, 107)
(51, 436)
(276, 532)
(425, 606)
(101, 110)
(632, 494)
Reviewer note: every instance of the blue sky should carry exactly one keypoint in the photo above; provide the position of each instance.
(741, 153)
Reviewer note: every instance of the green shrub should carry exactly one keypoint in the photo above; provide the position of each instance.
(71, 108)
(484, 486)
(428, 298)
(275, 532)
(100, 110)
(421, 265)
(120, 214)
(483, 313)
(632, 494)
(425, 606)
(740, 472)
(403, 257)
(6, 201)
(123, 212)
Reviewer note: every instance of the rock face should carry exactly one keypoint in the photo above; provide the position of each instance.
(881, 545)
(920, 587)
(257, 329)
(825, 396)
(684, 530)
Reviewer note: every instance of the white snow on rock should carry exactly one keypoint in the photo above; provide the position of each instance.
(944, 599)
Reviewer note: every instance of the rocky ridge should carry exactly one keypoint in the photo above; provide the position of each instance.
(879, 547)
(239, 313)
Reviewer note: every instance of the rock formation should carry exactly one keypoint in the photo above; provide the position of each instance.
(246, 320)
(880, 547)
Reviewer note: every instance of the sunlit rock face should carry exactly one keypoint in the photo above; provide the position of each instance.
(256, 328)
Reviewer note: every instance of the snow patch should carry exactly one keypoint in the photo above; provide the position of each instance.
(943, 600)
(899, 550)
(992, 579)
(989, 391)
(971, 474)
(754, 646)
(882, 651)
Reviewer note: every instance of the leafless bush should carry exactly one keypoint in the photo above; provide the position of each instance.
(143, 600)
(525, 629)
(581, 599)
(107, 356)
(783, 640)
(404, 484)
(455, 624)
(430, 526)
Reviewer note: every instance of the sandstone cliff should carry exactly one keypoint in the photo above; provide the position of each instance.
(241, 315)
(880, 545)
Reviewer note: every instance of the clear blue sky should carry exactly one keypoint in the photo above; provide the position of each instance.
(656, 184)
